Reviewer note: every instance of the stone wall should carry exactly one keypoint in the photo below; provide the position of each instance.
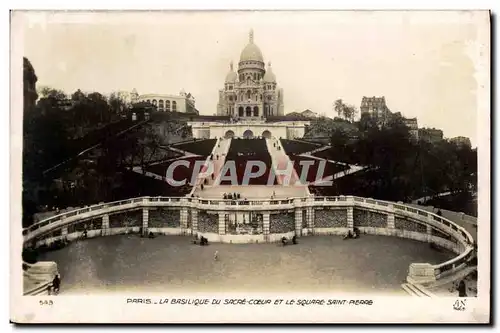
(330, 218)
(91, 224)
(409, 225)
(281, 222)
(437, 233)
(164, 218)
(208, 222)
(55, 233)
(365, 218)
(131, 218)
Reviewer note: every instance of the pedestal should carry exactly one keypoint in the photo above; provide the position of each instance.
(421, 273)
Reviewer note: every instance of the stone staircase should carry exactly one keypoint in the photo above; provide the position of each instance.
(217, 159)
(220, 151)
(352, 168)
(180, 151)
(439, 287)
(317, 150)
(37, 277)
(416, 290)
(281, 161)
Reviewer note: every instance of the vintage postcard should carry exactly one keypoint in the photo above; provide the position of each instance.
(250, 167)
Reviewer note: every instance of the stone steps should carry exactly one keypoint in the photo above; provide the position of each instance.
(416, 290)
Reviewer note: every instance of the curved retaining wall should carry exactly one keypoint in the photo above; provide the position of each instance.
(38, 277)
(273, 219)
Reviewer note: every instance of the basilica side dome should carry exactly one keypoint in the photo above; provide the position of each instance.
(269, 76)
(231, 76)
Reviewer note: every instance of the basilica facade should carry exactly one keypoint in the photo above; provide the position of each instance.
(251, 92)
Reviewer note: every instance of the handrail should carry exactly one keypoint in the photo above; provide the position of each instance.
(208, 201)
(447, 226)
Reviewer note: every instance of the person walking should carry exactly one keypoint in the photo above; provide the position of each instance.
(462, 289)
(56, 284)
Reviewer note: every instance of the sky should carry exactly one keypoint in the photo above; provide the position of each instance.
(423, 63)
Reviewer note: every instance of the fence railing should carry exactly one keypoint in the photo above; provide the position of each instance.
(452, 229)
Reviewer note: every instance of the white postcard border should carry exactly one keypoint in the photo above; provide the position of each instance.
(384, 309)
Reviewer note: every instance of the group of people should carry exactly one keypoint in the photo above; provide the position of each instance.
(284, 240)
(144, 233)
(202, 241)
(352, 234)
(231, 196)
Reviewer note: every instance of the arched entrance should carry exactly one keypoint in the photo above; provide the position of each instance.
(248, 111)
(266, 134)
(229, 134)
(248, 134)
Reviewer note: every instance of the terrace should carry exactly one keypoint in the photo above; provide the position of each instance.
(136, 184)
(198, 147)
(330, 168)
(295, 147)
(241, 152)
(180, 172)
(329, 154)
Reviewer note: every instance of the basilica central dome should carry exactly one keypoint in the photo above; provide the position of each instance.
(251, 52)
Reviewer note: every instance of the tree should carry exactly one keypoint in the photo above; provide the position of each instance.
(117, 104)
(100, 105)
(345, 111)
(78, 96)
(339, 107)
(339, 141)
(366, 123)
(48, 92)
(349, 112)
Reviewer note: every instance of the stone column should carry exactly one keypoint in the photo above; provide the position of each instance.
(145, 220)
(222, 223)
(64, 232)
(310, 219)
(298, 222)
(391, 221)
(265, 226)
(350, 218)
(194, 220)
(429, 233)
(105, 225)
(183, 218)
(390, 226)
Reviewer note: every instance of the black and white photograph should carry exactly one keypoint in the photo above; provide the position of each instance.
(301, 163)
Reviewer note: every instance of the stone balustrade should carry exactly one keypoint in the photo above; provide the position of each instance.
(277, 218)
